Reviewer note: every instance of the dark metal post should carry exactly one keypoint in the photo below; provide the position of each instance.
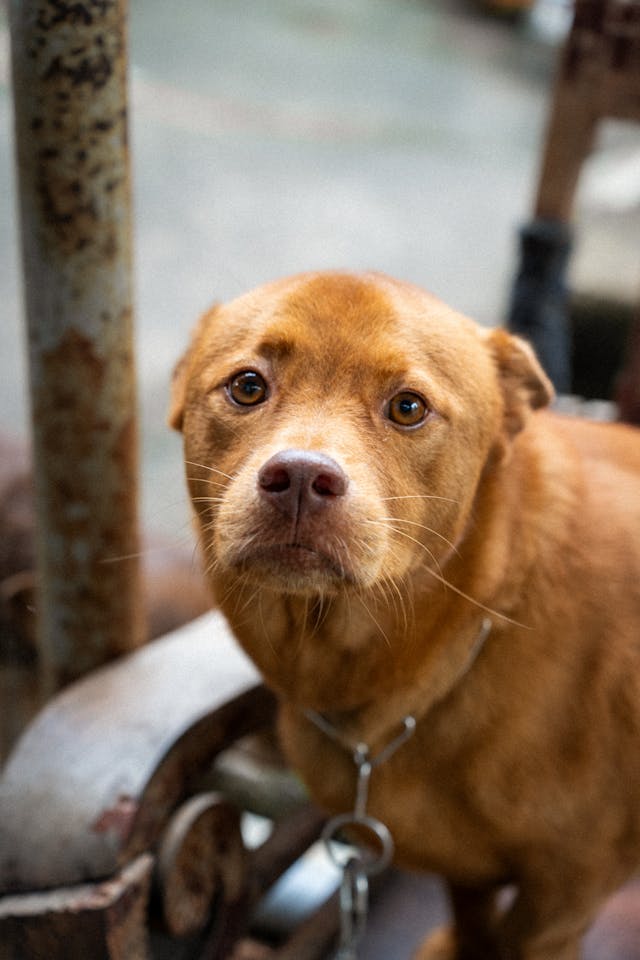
(69, 74)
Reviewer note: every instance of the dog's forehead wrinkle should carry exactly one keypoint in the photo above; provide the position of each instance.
(321, 354)
(312, 319)
(276, 345)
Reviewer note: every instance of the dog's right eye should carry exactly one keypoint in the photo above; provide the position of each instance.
(247, 388)
(407, 409)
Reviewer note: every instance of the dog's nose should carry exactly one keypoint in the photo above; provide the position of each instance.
(298, 480)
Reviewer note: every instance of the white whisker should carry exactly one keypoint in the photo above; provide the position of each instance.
(423, 526)
(211, 469)
(266, 633)
(420, 496)
(374, 619)
(447, 583)
(214, 483)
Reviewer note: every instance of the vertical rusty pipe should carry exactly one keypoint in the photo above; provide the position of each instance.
(69, 75)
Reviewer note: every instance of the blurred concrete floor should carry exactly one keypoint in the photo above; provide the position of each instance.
(271, 136)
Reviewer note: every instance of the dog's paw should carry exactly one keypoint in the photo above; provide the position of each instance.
(439, 945)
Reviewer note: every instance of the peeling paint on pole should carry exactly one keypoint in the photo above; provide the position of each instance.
(69, 72)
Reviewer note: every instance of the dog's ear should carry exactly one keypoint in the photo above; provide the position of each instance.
(175, 415)
(525, 386)
(180, 377)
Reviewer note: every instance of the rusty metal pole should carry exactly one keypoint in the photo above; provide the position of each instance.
(69, 76)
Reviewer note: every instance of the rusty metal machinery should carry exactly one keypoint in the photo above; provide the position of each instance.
(103, 801)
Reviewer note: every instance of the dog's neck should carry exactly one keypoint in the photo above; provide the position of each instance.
(361, 723)
(345, 658)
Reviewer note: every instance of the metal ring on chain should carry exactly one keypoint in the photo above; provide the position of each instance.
(371, 857)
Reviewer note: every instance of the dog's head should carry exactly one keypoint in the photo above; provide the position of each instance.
(336, 428)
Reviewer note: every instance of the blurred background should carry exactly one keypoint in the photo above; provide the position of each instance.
(272, 136)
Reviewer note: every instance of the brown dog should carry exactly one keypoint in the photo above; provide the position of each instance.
(374, 493)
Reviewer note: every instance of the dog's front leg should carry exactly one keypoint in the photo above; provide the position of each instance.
(540, 924)
(548, 918)
(472, 934)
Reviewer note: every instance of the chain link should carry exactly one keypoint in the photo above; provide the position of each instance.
(369, 857)
(354, 906)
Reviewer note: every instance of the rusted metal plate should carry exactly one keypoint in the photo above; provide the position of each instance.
(93, 780)
(69, 81)
(103, 921)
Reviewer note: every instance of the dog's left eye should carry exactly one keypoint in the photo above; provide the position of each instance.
(248, 388)
(407, 409)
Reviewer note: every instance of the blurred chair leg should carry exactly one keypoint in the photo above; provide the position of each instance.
(539, 301)
(627, 394)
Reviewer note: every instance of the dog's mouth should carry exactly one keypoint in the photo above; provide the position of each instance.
(295, 565)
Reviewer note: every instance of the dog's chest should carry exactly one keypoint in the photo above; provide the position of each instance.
(437, 827)
(425, 804)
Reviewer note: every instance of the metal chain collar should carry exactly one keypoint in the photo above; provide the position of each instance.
(356, 859)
